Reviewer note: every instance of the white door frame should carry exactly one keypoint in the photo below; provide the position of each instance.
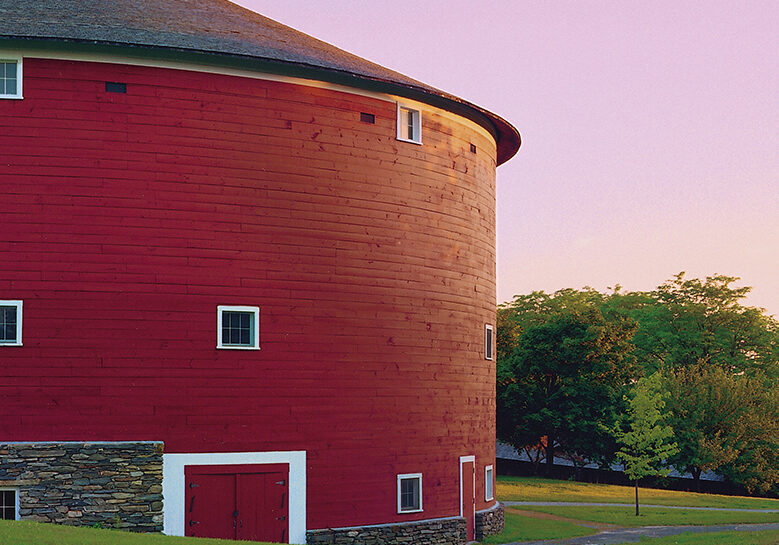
(173, 485)
(464, 460)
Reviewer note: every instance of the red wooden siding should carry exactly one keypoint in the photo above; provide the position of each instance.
(127, 218)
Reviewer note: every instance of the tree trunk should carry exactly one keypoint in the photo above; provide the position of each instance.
(549, 454)
(696, 478)
(534, 455)
(636, 497)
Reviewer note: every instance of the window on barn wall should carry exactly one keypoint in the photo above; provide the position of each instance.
(238, 327)
(409, 124)
(410, 493)
(488, 341)
(9, 509)
(10, 78)
(10, 323)
(488, 483)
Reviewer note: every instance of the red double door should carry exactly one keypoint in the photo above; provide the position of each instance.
(238, 502)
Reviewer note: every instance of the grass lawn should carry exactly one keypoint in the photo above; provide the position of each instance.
(519, 528)
(536, 489)
(35, 533)
(652, 516)
(718, 538)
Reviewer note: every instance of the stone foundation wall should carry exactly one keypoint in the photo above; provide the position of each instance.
(490, 521)
(449, 531)
(112, 485)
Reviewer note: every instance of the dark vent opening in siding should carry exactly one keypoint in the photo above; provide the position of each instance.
(473, 148)
(367, 118)
(113, 87)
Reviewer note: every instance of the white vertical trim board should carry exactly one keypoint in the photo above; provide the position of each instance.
(173, 485)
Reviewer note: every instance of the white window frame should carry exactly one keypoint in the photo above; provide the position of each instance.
(18, 305)
(489, 346)
(402, 477)
(18, 60)
(403, 126)
(16, 500)
(255, 311)
(489, 483)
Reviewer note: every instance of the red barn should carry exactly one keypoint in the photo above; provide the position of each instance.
(247, 281)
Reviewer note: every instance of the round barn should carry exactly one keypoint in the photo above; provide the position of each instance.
(247, 281)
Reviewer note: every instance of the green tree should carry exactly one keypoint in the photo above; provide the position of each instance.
(724, 422)
(645, 441)
(757, 465)
(565, 376)
(534, 309)
(688, 321)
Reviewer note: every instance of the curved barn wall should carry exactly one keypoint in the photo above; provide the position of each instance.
(127, 218)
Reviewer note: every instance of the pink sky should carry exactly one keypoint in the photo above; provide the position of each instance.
(650, 129)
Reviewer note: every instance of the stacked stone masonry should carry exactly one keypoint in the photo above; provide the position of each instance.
(490, 522)
(449, 531)
(111, 485)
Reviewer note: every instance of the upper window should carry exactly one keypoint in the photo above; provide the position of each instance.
(10, 78)
(10, 323)
(8, 505)
(238, 327)
(488, 483)
(488, 338)
(410, 493)
(409, 124)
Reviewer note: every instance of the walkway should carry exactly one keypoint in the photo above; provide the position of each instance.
(573, 503)
(630, 535)
(611, 535)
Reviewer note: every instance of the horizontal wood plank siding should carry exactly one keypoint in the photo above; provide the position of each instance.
(127, 218)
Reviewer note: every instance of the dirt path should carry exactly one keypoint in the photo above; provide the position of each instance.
(548, 516)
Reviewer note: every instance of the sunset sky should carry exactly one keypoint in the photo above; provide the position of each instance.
(650, 129)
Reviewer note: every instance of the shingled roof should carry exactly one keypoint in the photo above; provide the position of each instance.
(220, 32)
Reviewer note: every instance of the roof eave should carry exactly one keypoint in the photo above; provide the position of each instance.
(506, 136)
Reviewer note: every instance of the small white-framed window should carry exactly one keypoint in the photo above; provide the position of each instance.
(238, 327)
(489, 483)
(410, 493)
(10, 323)
(488, 342)
(10, 77)
(9, 504)
(409, 124)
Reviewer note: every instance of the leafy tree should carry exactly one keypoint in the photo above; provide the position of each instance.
(565, 376)
(564, 361)
(534, 309)
(757, 465)
(645, 441)
(685, 322)
(724, 421)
